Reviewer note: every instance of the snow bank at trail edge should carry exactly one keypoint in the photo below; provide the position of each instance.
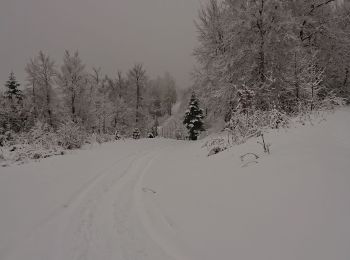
(292, 204)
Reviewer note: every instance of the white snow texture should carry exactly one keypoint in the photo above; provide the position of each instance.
(161, 199)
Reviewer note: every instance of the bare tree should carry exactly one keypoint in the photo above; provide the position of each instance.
(120, 82)
(31, 70)
(138, 77)
(72, 80)
(41, 74)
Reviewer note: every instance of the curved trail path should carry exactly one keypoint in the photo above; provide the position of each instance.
(104, 218)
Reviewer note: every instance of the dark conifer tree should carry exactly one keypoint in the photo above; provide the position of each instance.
(12, 88)
(12, 116)
(193, 120)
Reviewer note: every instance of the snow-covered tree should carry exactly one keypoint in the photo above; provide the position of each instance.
(12, 113)
(41, 76)
(137, 77)
(279, 49)
(12, 88)
(73, 81)
(193, 120)
(104, 106)
(121, 85)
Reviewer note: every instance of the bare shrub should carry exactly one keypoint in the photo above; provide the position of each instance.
(70, 135)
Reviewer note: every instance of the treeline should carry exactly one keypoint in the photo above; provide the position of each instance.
(95, 103)
(289, 56)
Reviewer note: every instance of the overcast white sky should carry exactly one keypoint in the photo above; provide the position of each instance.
(111, 34)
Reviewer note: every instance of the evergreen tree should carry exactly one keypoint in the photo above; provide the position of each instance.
(13, 92)
(12, 115)
(193, 118)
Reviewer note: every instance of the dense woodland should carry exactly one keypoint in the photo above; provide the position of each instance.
(286, 57)
(259, 63)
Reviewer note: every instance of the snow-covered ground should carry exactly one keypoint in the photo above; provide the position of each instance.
(161, 199)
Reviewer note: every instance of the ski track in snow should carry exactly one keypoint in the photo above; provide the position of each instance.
(100, 221)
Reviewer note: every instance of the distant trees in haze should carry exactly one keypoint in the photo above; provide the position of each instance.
(93, 101)
(137, 78)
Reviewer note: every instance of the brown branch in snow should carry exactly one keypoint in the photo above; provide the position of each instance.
(314, 7)
(245, 155)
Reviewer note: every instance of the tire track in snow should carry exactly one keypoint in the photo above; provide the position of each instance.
(13, 251)
(106, 225)
(83, 234)
(46, 238)
(104, 219)
(134, 240)
(150, 215)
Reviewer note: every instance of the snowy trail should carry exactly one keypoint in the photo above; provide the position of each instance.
(166, 200)
(101, 220)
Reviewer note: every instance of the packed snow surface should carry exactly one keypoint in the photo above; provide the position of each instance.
(161, 199)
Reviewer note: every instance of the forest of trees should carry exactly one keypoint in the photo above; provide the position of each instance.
(54, 98)
(290, 56)
(259, 62)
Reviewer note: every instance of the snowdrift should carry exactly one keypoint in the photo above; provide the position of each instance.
(292, 204)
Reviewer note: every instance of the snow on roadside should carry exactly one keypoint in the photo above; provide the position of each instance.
(292, 204)
(164, 199)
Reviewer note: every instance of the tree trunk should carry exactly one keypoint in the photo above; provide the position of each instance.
(48, 104)
(137, 100)
(34, 102)
(49, 112)
(260, 25)
(346, 77)
(73, 107)
(296, 79)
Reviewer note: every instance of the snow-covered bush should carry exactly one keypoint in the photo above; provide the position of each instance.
(103, 138)
(277, 119)
(216, 145)
(70, 135)
(242, 126)
(41, 136)
(40, 142)
(6, 138)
